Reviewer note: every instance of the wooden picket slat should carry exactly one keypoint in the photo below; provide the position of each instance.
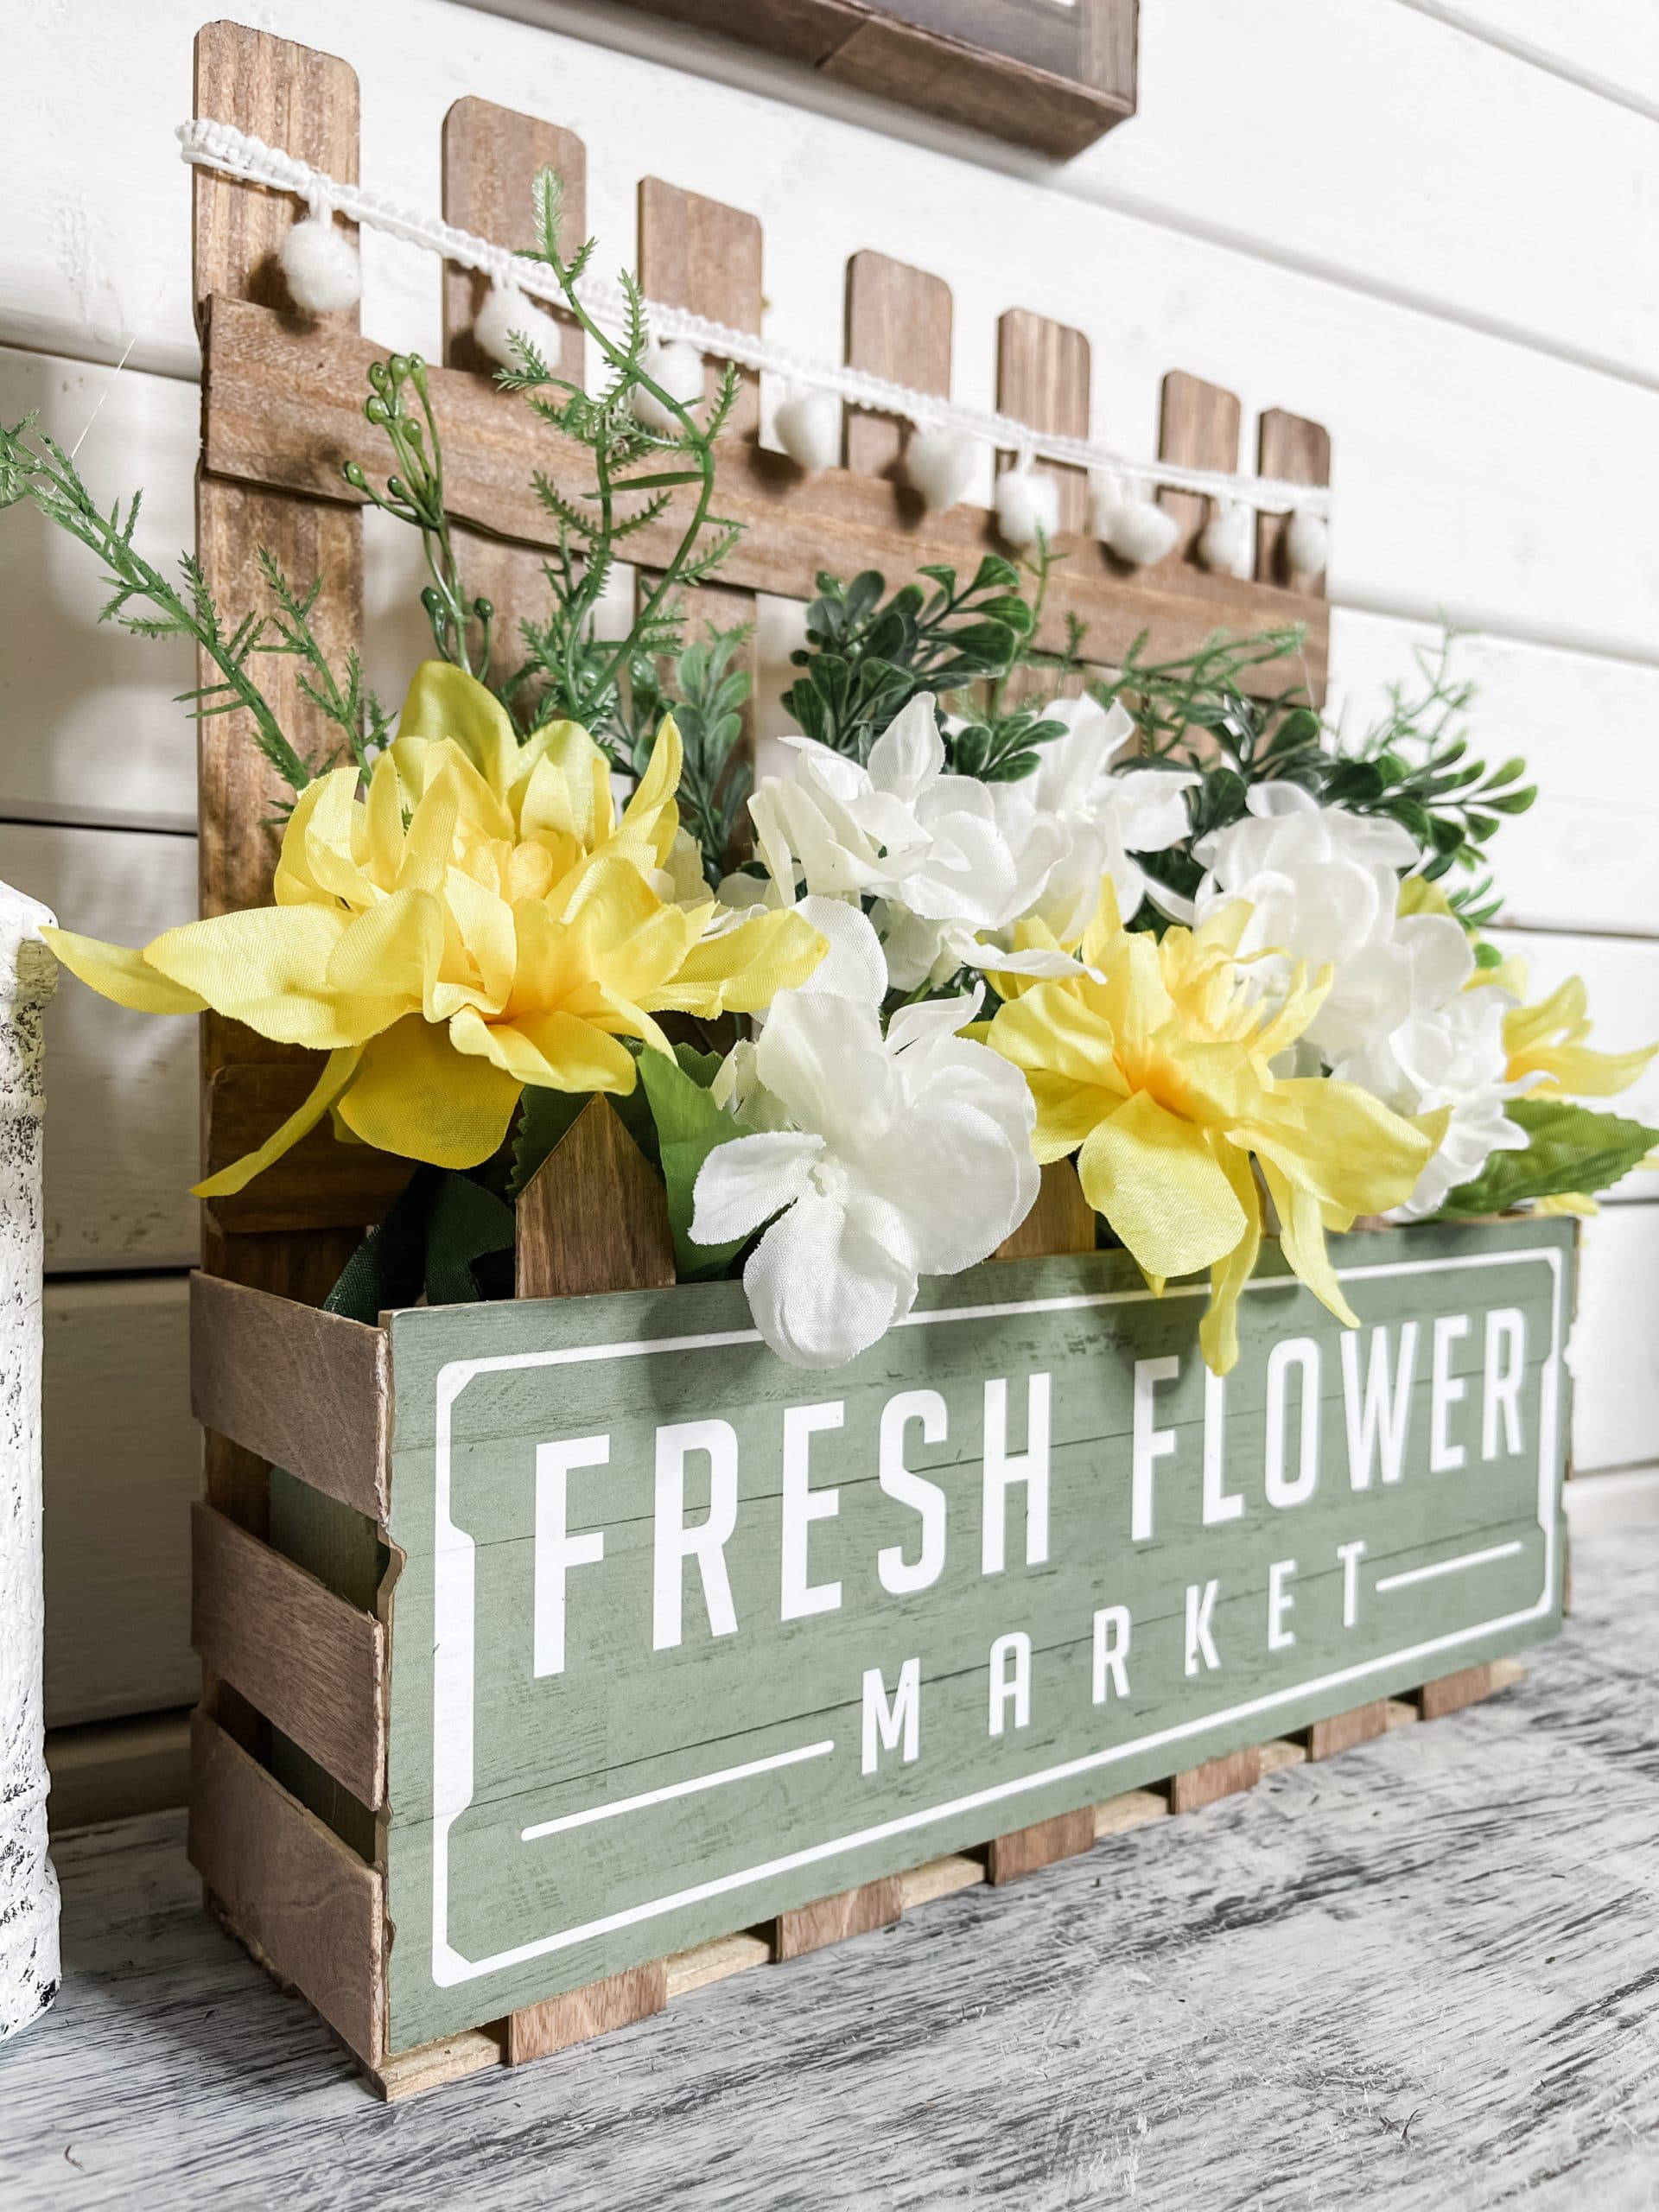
(592, 1217)
(704, 256)
(1042, 379)
(307, 104)
(835, 1920)
(490, 158)
(701, 255)
(1296, 451)
(899, 321)
(1198, 427)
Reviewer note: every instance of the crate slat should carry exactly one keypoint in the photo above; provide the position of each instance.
(314, 1666)
(307, 1905)
(303, 1389)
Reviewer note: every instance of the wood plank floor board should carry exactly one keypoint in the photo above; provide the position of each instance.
(1453, 1922)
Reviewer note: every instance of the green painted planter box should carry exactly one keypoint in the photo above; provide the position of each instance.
(683, 1638)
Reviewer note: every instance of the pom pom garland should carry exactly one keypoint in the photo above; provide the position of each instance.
(1225, 541)
(940, 464)
(1136, 528)
(1027, 506)
(1308, 544)
(320, 265)
(677, 368)
(507, 310)
(808, 424)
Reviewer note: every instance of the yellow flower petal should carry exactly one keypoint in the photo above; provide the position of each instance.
(265, 966)
(1158, 1183)
(416, 1096)
(337, 1072)
(122, 973)
(1218, 1331)
(1301, 1235)
(559, 1051)
(444, 701)
(744, 968)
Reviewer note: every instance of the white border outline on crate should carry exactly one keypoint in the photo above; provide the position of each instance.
(454, 1611)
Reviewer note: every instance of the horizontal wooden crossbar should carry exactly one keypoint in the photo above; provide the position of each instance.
(314, 1666)
(306, 1390)
(284, 410)
(304, 1903)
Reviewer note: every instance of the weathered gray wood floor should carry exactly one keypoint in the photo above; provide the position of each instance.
(1424, 1976)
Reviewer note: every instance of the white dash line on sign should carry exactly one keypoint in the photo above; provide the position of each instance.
(1449, 1567)
(698, 1782)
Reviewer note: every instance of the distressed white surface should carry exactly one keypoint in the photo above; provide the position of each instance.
(1419, 1977)
(29, 1899)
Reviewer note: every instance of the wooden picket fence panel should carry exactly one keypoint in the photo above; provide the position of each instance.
(289, 1814)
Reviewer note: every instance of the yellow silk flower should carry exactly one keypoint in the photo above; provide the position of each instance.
(1154, 1070)
(478, 921)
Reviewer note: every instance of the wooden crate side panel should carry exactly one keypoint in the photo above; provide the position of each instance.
(314, 1666)
(277, 413)
(303, 1389)
(673, 1786)
(291, 1889)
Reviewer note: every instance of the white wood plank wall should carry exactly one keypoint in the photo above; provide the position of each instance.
(1451, 271)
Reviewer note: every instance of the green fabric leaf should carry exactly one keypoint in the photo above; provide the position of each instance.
(688, 1127)
(466, 1227)
(544, 1117)
(1569, 1148)
(448, 1238)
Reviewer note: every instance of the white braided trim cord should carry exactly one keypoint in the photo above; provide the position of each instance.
(207, 144)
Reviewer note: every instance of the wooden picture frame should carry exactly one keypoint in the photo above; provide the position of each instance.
(1054, 75)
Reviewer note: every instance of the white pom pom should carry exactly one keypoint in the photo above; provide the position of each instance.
(808, 428)
(1137, 530)
(677, 368)
(1306, 544)
(321, 266)
(1226, 541)
(507, 310)
(1027, 504)
(940, 464)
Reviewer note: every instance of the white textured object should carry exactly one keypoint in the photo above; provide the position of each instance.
(1136, 528)
(29, 1890)
(677, 368)
(507, 311)
(321, 266)
(808, 424)
(940, 464)
(1027, 506)
(1308, 543)
(1226, 540)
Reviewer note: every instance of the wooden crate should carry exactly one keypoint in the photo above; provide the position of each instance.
(663, 1644)
(336, 1589)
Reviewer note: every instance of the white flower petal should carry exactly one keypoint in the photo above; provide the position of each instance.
(822, 1289)
(854, 967)
(745, 1182)
(909, 754)
(822, 1058)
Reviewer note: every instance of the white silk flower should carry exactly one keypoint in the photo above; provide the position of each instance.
(876, 1160)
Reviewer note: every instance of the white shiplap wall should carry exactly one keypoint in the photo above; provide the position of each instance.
(1451, 271)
